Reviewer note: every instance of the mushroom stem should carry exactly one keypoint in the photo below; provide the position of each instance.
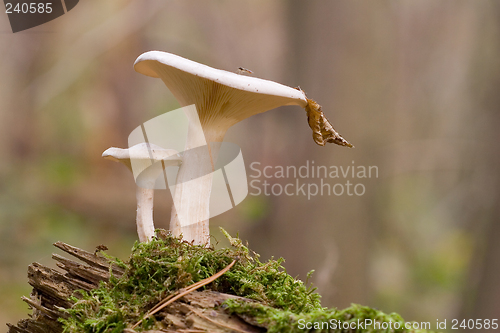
(145, 226)
(191, 209)
(147, 162)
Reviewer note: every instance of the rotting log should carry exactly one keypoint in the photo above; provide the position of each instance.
(195, 312)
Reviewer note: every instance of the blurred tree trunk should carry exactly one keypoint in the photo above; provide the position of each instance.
(330, 233)
(486, 303)
(481, 294)
(482, 290)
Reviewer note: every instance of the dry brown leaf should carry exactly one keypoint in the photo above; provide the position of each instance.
(323, 131)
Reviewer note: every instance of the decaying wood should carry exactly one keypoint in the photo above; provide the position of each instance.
(195, 312)
(184, 292)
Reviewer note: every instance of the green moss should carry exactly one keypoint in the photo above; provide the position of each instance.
(159, 268)
(355, 318)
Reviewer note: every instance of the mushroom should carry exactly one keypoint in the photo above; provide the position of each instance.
(147, 162)
(222, 99)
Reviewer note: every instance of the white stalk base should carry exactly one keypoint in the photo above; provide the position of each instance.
(145, 226)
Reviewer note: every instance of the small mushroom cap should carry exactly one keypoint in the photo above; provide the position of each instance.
(222, 98)
(141, 151)
(142, 156)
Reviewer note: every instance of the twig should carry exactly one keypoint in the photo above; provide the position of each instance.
(193, 287)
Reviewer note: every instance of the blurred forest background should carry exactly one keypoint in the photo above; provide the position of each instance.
(414, 85)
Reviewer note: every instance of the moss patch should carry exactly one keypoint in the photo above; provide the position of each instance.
(167, 264)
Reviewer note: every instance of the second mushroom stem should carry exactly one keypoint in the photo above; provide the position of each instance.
(145, 227)
(191, 209)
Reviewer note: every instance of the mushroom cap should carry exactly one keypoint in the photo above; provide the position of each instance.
(141, 156)
(222, 98)
(142, 151)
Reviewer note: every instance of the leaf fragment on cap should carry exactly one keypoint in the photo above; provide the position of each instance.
(323, 131)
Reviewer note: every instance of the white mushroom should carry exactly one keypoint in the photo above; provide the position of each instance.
(222, 99)
(147, 162)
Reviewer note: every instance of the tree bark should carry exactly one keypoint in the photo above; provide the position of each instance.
(197, 311)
